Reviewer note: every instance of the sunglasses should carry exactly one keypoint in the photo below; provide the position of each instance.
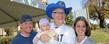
(58, 12)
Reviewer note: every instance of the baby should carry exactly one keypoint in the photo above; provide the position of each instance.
(44, 32)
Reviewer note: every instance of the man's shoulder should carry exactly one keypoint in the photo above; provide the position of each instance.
(68, 27)
(16, 39)
(17, 36)
(33, 33)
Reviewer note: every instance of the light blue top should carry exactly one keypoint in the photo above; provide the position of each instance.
(89, 41)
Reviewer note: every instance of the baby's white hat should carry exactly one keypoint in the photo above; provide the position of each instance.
(43, 21)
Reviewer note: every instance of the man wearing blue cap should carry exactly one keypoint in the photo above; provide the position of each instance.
(27, 34)
(58, 12)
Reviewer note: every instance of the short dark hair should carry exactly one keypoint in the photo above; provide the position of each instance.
(88, 29)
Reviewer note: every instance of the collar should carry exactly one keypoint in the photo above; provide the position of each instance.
(83, 40)
(54, 25)
(24, 35)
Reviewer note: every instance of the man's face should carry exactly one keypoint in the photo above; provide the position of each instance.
(26, 26)
(58, 15)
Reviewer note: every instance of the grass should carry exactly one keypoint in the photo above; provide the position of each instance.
(100, 37)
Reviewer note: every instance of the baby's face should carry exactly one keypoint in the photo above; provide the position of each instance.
(45, 27)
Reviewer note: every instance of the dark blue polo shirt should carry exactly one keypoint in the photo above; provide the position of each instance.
(19, 39)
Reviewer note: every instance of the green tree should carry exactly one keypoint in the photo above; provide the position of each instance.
(9, 31)
(98, 9)
(69, 19)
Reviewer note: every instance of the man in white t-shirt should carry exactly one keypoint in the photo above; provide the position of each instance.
(58, 12)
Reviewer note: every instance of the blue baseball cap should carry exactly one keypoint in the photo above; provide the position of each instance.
(53, 6)
(25, 18)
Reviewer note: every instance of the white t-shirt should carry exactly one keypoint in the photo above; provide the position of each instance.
(67, 32)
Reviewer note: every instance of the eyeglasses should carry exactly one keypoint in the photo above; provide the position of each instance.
(58, 12)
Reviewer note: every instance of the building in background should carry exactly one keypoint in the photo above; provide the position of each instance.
(2, 32)
(81, 12)
(35, 3)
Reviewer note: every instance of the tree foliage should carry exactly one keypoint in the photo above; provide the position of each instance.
(98, 9)
(69, 19)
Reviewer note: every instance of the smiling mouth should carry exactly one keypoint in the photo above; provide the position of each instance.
(81, 32)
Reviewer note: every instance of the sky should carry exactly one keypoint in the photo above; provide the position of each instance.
(75, 4)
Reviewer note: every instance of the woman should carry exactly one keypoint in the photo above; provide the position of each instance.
(82, 31)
